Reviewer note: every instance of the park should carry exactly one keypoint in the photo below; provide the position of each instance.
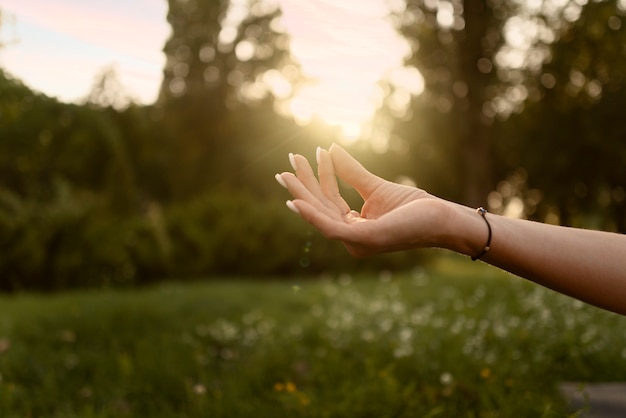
(150, 268)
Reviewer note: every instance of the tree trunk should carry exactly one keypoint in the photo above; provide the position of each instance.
(475, 134)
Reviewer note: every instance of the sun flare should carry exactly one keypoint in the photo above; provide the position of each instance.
(345, 49)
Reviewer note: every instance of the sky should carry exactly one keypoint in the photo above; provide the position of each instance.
(59, 47)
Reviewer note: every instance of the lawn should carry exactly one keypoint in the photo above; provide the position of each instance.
(453, 339)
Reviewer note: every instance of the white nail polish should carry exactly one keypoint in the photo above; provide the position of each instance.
(292, 161)
(280, 180)
(292, 207)
(318, 151)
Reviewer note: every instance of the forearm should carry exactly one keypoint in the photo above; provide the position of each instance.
(588, 265)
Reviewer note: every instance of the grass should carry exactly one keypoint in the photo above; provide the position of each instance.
(456, 339)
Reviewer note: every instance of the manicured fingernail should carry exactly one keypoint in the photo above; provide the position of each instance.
(293, 207)
(318, 151)
(292, 160)
(280, 180)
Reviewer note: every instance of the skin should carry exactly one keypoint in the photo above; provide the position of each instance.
(584, 264)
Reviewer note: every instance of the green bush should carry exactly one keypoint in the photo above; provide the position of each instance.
(73, 239)
(236, 233)
(65, 241)
(233, 232)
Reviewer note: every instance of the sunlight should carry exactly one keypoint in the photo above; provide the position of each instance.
(345, 49)
(337, 102)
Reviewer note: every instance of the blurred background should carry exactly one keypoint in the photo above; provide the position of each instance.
(150, 268)
(139, 140)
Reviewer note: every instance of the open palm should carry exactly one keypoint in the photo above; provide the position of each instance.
(393, 216)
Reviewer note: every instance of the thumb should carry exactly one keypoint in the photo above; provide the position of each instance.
(352, 172)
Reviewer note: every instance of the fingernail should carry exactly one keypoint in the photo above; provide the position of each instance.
(280, 180)
(318, 151)
(292, 207)
(292, 160)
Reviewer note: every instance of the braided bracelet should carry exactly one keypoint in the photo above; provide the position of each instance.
(482, 212)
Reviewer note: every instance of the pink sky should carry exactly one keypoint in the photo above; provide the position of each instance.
(61, 45)
(347, 46)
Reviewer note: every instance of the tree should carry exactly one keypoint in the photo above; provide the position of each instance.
(221, 55)
(570, 142)
(43, 141)
(107, 91)
(476, 58)
(448, 130)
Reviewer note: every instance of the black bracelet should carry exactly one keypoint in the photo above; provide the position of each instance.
(482, 212)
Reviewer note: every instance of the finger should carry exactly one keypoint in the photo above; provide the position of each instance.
(305, 174)
(330, 226)
(352, 172)
(328, 180)
(301, 192)
(347, 230)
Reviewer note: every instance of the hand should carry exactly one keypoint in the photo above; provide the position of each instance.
(585, 264)
(393, 217)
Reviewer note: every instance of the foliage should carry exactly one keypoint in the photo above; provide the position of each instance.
(456, 340)
(217, 61)
(574, 122)
(101, 195)
(448, 127)
(559, 66)
(65, 241)
(229, 232)
(89, 198)
(44, 141)
(69, 240)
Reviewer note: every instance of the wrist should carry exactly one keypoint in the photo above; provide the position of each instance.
(464, 230)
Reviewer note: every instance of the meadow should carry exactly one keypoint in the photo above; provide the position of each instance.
(450, 339)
